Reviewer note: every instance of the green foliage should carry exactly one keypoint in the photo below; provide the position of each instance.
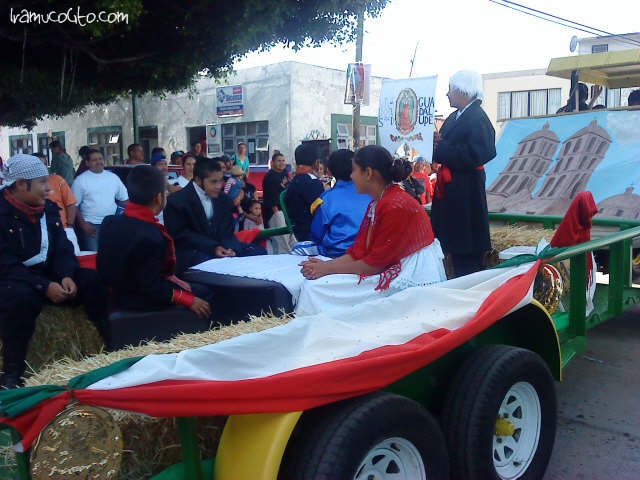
(58, 68)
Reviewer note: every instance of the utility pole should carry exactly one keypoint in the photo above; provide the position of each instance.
(134, 117)
(413, 60)
(355, 117)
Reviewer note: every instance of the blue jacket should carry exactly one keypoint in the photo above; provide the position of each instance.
(337, 220)
(302, 191)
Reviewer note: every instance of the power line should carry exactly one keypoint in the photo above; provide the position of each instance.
(559, 21)
(540, 17)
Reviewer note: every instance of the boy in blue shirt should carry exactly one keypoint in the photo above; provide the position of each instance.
(337, 219)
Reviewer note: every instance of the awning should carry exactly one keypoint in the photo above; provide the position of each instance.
(612, 69)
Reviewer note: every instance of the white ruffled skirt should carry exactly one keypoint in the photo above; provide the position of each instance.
(342, 291)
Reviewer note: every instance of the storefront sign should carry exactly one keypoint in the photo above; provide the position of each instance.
(230, 101)
(406, 116)
(214, 140)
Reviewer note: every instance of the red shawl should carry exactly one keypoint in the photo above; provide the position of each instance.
(145, 214)
(393, 228)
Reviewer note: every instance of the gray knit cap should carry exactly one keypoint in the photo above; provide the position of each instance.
(22, 166)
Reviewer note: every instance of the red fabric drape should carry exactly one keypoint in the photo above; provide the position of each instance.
(576, 226)
(292, 390)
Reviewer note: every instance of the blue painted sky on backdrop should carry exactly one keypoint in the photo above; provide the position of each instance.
(620, 167)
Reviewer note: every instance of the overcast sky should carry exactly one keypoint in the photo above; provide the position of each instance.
(463, 34)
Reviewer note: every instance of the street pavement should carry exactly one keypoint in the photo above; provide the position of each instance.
(598, 436)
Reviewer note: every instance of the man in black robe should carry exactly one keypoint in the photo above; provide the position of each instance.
(459, 211)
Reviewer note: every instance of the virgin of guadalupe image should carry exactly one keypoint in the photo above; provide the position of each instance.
(405, 111)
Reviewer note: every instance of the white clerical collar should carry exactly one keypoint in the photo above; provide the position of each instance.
(460, 112)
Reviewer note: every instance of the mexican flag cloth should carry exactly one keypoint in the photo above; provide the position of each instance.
(308, 362)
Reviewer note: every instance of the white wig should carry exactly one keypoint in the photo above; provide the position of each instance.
(467, 82)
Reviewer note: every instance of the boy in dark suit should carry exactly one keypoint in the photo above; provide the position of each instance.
(303, 192)
(137, 256)
(37, 263)
(200, 219)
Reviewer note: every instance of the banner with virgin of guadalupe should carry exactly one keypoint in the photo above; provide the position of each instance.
(406, 116)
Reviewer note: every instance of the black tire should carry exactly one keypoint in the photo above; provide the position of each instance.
(330, 443)
(471, 411)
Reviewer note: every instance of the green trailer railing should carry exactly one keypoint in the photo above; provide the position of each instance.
(610, 299)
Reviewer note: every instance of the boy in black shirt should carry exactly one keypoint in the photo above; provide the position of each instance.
(137, 256)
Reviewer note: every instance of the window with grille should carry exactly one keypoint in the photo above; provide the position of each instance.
(601, 48)
(44, 140)
(20, 144)
(254, 134)
(528, 103)
(368, 135)
(109, 141)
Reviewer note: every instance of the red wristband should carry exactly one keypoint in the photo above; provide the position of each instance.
(181, 297)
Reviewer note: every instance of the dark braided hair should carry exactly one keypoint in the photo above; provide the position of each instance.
(379, 158)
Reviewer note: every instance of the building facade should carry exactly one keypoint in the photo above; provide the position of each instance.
(282, 105)
(531, 93)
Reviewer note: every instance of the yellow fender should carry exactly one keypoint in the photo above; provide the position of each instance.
(252, 446)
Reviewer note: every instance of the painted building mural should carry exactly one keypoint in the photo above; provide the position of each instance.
(543, 163)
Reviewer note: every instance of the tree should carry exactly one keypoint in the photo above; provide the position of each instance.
(56, 61)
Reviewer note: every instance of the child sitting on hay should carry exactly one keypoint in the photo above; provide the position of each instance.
(37, 263)
(137, 256)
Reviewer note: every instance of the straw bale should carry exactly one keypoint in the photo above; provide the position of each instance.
(62, 331)
(503, 237)
(153, 444)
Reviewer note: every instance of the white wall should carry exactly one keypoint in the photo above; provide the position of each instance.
(293, 97)
(495, 83)
(319, 92)
(615, 43)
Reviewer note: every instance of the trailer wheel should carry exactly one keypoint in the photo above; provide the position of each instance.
(379, 436)
(499, 416)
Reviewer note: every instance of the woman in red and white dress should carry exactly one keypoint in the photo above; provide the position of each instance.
(394, 249)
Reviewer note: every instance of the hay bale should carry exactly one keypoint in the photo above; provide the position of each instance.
(152, 444)
(61, 332)
(503, 237)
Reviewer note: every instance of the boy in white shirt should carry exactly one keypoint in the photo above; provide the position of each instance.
(99, 192)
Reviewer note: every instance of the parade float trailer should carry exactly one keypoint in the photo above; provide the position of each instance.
(454, 380)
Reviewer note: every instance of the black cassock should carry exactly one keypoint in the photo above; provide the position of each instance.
(460, 219)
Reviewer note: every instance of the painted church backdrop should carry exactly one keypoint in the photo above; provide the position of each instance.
(543, 163)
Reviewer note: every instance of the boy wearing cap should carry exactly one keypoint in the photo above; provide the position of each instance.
(37, 262)
(176, 157)
(159, 161)
(303, 193)
(234, 186)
